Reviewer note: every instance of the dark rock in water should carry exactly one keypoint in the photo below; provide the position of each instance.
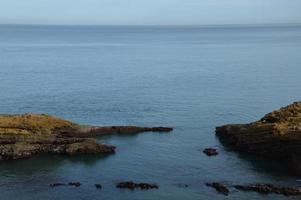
(277, 135)
(56, 184)
(182, 185)
(161, 129)
(269, 188)
(121, 130)
(221, 188)
(75, 184)
(131, 185)
(210, 152)
(148, 186)
(98, 186)
(25, 135)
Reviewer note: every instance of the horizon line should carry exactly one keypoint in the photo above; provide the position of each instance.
(158, 25)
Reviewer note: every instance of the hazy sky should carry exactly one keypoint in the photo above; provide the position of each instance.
(149, 12)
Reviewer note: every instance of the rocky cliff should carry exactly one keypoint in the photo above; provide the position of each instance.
(277, 135)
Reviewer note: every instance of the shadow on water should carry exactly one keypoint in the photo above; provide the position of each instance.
(50, 162)
(45, 162)
(128, 135)
(268, 166)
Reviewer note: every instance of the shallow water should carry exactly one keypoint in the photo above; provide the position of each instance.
(191, 78)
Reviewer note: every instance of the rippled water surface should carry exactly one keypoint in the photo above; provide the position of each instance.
(191, 78)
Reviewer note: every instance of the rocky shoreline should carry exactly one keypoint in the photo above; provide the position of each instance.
(276, 136)
(259, 188)
(23, 136)
(221, 188)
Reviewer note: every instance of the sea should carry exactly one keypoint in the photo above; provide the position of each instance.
(192, 78)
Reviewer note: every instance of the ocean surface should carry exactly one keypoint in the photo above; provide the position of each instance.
(192, 78)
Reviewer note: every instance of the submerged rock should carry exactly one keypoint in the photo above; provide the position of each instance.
(25, 135)
(131, 185)
(182, 185)
(210, 152)
(219, 187)
(269, 188)
(98, 186)
(75, 184)
(277, 135)
(56, 184)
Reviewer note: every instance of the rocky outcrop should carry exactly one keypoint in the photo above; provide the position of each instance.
(210, 152)
(25, 135)
(269, 188)
(131, 185)
(86, 131)
(259, 188)
(219, 187)
(98, 186)
(52, 185)
(277, 135)
(75, 184)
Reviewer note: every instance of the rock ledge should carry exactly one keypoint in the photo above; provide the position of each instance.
(25, 135)
(277, 135)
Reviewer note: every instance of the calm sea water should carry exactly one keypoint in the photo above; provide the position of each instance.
(190, 78)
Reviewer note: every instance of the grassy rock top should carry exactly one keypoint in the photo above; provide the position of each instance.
(286, 120)
(34, 124)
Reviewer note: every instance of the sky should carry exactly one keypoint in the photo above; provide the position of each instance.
(149, 12)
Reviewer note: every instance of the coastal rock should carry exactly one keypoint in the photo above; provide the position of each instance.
(56, 184)
(269, 188)
(182, 185)
(219, 187)
(131, 185)
(210, 152)
(98, 186)
(277, 135)
(25, 135)
(75, 184)
(121, 130)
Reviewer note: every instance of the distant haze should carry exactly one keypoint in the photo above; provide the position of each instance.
(149, 12)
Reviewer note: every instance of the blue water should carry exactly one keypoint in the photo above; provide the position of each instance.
(190, 78)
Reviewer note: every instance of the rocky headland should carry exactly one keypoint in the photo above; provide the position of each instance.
(277, 135)
(26, 135)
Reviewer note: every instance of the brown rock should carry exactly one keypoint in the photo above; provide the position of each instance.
(25, 135)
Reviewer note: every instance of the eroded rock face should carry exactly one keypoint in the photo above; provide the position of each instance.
(25, 135)
(277, 135)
